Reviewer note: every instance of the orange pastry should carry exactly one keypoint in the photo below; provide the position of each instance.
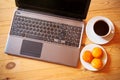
(87, 56)
(97, 52)
(97, 63)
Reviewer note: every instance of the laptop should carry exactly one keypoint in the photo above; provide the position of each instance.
(48, 30)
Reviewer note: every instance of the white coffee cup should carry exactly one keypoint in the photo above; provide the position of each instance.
(102, 26)
(100, 37)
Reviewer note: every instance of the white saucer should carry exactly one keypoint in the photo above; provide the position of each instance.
(88, 65)
(97, 39)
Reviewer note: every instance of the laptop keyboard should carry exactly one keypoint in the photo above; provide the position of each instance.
(46, 30)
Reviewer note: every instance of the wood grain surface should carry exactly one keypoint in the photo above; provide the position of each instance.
(18, 68)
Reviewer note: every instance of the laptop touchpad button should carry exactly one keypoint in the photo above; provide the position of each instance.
(30, 48)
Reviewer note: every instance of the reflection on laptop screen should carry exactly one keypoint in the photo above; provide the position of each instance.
(70, 8)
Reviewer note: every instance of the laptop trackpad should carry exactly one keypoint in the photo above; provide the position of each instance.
(30, 48)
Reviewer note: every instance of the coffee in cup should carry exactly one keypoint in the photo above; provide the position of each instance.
(101, 28)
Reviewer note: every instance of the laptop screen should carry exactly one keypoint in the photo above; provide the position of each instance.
(69, 8)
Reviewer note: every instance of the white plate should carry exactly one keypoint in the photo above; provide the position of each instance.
(88, 65)
(97, 39)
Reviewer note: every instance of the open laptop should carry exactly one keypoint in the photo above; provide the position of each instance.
(48, 30)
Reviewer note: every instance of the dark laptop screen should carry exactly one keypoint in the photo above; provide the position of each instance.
(70, 8)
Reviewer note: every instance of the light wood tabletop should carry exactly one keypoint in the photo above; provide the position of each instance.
(18, 68)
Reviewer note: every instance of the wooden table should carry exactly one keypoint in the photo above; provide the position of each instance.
(28, 69)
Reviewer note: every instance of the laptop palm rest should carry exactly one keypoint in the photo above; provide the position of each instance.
(42, 50)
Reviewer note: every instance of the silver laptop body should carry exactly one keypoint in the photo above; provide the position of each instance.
(53, 48)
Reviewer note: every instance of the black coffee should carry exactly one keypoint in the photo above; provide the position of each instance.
(101, 28)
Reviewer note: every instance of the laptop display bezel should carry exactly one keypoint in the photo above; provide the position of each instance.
(20, 4)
